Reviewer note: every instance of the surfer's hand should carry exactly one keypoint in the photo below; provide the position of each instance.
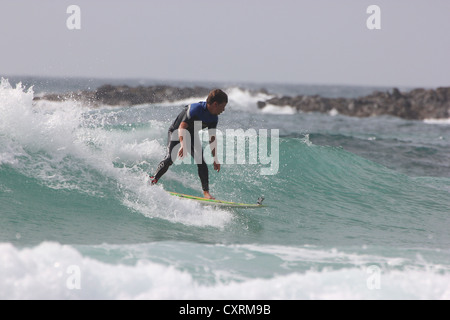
(181, 153)
(216, 166)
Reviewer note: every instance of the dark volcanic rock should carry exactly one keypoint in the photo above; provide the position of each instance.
(127, 96)
(417, 104)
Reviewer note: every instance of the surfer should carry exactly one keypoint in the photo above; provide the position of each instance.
(187, 126)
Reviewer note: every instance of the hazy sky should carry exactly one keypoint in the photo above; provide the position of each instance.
(287, 41)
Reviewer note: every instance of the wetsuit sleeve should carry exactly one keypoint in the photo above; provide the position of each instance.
(190, 115)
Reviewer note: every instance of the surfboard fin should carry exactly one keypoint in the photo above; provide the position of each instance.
(260, 200)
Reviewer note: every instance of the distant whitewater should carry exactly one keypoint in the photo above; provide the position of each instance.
(358, 210)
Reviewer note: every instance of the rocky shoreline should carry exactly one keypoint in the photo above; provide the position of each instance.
(417, 104)
(128, 96)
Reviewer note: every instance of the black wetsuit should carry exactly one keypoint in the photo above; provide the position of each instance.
(190, 114)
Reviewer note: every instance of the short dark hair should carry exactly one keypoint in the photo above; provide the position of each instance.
(218, 96)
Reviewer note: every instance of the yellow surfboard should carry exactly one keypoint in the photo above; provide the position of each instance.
(221, 203)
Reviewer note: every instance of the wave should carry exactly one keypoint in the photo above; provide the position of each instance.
(76, 176)
(105, 155)
(54, 271)
(412, 157)
(67, 146)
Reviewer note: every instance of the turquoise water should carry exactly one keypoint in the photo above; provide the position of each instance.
(353, 200)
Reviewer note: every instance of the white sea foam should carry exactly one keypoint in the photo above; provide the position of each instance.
(54, 271)
(245, 100)
(438, 121)
(273, 109)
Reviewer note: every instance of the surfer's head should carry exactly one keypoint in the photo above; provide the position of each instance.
(216, 101)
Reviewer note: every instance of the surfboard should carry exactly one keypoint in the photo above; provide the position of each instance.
(221, 203)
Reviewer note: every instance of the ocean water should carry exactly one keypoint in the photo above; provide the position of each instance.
(357, 208)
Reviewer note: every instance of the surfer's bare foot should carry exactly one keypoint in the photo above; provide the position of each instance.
(153, 180)
(207, 195)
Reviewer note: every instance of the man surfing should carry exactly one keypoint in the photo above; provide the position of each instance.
(193, 118)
